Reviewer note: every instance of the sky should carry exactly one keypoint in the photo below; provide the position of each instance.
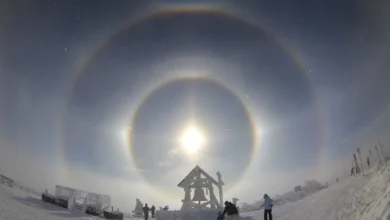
(96, 95)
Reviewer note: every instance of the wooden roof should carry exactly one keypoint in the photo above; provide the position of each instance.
(196, 169)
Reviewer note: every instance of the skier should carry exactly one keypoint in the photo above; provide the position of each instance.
(152, 210)
(231, 211)
(368, 162)
(268, 204)
(146, 211)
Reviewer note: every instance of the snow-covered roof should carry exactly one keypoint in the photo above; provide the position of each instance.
(196, 169)
(74, 190)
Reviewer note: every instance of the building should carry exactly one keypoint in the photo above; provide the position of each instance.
(81, 200)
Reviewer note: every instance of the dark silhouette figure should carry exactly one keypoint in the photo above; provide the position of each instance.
(153, 210)
(231, 210)
(368, 162)
(146, 211)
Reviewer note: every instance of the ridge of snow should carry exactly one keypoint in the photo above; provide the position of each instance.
(353, 198)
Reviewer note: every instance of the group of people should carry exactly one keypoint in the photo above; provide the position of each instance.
(232, 211)
(152, 210)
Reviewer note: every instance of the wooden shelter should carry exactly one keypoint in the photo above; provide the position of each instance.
(201, 181)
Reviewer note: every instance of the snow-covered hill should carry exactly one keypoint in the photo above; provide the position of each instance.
(355, 198)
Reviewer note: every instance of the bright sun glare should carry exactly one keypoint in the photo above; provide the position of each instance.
(192, 140)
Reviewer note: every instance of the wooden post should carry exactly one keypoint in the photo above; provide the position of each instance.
(357, 168)
(220, 189)
(380, 147)
(379, 157)
(370, 155)
(361, 161)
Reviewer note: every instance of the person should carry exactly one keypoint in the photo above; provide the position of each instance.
(230, 210)
(368, 162)
(268, 204)
(220, 216)
(152, 210)
(146, 211)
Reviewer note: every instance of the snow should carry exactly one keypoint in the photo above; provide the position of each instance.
(355, 198)
(16, 204)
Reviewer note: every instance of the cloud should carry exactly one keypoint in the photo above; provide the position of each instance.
(173, 152)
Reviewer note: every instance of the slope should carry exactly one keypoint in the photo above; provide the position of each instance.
(358, 198)
(352, 198)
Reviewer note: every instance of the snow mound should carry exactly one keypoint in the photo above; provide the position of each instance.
(354, 198)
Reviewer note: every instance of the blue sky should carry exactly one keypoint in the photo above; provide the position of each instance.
(337, 99)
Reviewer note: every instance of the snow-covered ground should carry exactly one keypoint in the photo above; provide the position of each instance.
(355, 198)
(16, 204)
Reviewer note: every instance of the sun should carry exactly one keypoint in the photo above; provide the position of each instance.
(192, 140)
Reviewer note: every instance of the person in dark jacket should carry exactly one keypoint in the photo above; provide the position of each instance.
(230, 210)
(146, 211)
(152, 210)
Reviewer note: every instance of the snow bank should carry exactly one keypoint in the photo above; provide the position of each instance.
(310, 187)
(352, 198)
